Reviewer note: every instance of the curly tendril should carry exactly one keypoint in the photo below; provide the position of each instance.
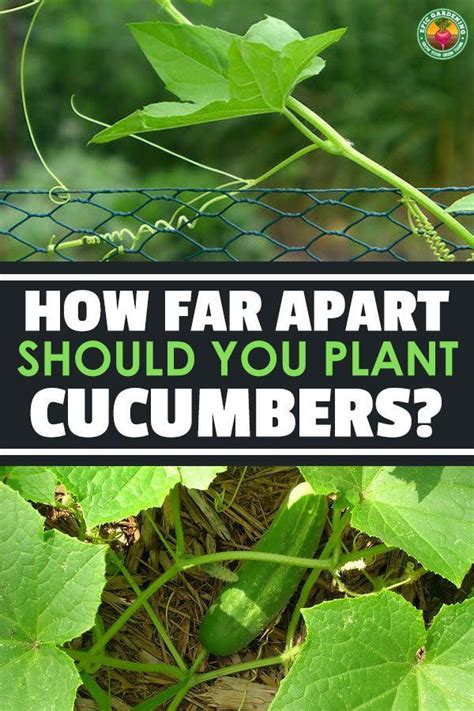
(159, 147)
(119, 238)
(178, 219)
(421, 226)
(9, 10)
(59, 193)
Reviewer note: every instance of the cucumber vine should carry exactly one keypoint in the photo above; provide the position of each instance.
(311, 125)
(425, 523)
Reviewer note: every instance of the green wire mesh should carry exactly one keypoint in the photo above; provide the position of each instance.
(183, 224)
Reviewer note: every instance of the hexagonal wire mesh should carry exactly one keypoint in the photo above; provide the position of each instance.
(182, 224)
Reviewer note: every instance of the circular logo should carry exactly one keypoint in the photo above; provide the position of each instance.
(442, 34)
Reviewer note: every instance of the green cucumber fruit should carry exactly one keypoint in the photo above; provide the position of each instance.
(245, 608)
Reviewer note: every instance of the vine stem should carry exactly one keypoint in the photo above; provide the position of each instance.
(201, 657)
(347, 150)
(163, 541)
(161, 629)
(336, 144)
(331, 544)
(180, 696)
(248, 184)
(167, 670)
(198, 679)
(159, 700)
(248, 666)
(198, 561)
(173, 12)
(329, 548)
(182, 693)
(413, 577)
(101, 698)
(245, 185)
(335, 553)
(283, 164)
(219, 503)
(379, 549)
(177, 522)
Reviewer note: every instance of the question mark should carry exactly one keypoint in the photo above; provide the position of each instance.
(432, 404)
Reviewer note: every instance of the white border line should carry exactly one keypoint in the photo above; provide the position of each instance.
(422, 452)
(236, 277)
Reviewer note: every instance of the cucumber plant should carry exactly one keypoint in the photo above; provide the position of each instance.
(358, 650)
(218, 75)
(361, 649)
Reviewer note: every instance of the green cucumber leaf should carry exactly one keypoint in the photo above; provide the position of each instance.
(278, 34)
(33, 483)
(266, 76)
(464, 204)
(108, 494)
(425, 511)
(348, 482)
(293, 48)
(167, 115)
(272, 32)
(198, 477)
(50, 590)
(374, 653)
(254, 75)
(272, 59)
(220, 76)
(191, 60)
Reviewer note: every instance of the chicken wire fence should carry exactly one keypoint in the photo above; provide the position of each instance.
(191, 224)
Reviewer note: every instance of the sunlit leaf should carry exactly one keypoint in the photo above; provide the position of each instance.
(50, 590)
(220, 75)
(426, 511)
(464, 204)
(33, 483)
(191, 60)
(374, 653)
(108, 494)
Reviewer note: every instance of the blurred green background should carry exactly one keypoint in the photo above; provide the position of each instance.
(396, 104)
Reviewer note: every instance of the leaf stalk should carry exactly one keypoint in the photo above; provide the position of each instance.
(198, 561)
(173, 12)
(347, 150)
